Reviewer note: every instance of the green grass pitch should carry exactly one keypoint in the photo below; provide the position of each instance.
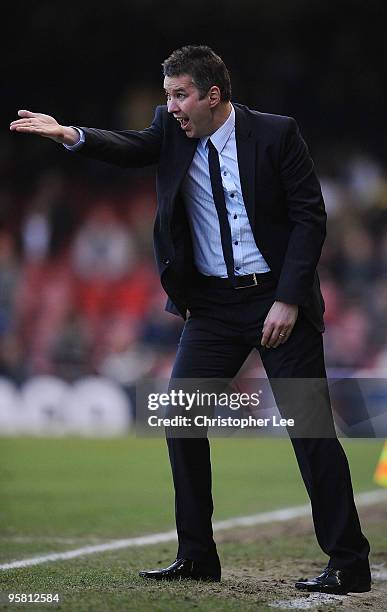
(61, 494)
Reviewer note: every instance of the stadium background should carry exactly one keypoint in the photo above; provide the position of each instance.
(78, 289)
(79, 296)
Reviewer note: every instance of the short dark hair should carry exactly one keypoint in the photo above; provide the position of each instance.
(205, 67)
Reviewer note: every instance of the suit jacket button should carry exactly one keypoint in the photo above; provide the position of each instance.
(166, 261)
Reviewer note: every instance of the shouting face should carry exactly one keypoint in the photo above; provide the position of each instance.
(195, 115)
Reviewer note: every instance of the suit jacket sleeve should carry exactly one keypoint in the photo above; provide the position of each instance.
(127, 148)
(306, 213)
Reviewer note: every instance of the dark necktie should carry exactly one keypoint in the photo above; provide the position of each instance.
(220, 204)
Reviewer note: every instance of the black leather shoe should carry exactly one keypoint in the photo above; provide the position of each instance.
(184, 568)
(338, 582)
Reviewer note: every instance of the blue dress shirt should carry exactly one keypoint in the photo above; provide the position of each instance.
(201, 211)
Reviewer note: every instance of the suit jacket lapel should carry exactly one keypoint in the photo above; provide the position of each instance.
(246, 149)
(182, 159)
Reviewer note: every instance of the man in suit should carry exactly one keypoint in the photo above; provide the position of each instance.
(238, 235)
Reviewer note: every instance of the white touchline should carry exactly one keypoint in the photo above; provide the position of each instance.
(274, 516)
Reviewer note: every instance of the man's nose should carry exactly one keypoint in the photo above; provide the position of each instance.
(172, 106)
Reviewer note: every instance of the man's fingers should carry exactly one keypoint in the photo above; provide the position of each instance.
(279, 339)
(26, 113)
(278, 324)
(282, 337)
(276, 337)
(38, 124)
(30, 129)
(23, 124)
(266, 336)
(275, 340)
(19, 122)
(29, 119)
(26, 128)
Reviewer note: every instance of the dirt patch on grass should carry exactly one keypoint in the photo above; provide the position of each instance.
(274, 585)
(272, 581)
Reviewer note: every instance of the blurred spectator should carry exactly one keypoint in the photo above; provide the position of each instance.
(126, 359)
(103, 248)
(383, 254)
(346, 339)
(333, 299)
(36, 235)
(44, 298)
(377, 311)
(9, 278)
(37, 231)
(357, 265)
(13, 363)
(70, 351)
(365, 180)
(334, 195)
(141, 210)
(160, 330)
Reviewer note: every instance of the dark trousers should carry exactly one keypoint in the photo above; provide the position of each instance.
(224, 326)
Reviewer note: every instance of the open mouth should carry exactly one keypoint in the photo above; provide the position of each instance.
(184, 121)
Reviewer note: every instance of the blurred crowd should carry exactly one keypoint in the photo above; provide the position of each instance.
(79, 292)
(353, 265)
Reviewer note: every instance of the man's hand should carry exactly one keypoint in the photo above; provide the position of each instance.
(44, 125)
(279, 324)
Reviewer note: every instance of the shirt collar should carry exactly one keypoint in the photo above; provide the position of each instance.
(222, 134)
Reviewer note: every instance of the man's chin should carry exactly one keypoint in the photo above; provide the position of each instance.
(191, 133)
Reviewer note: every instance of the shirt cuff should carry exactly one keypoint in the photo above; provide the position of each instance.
(80, 142)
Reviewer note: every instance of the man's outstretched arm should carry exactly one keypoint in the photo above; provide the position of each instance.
(127, 148)
(44, 125)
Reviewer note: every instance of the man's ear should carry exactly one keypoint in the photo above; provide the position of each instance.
(214, 96)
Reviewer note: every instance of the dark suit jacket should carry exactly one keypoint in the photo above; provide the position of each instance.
(280, 190)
